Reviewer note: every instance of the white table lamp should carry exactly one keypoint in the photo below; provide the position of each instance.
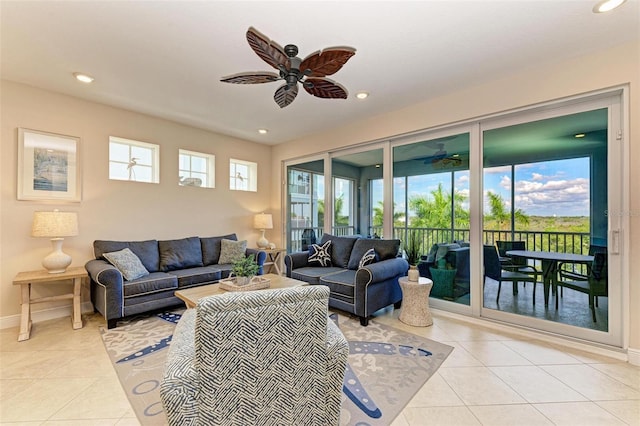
(56, 225)
(262, 221)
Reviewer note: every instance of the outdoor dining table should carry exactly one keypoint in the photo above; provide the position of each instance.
(550, 261)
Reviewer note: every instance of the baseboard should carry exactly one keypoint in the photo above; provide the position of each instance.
(44, 315)
(634, 356)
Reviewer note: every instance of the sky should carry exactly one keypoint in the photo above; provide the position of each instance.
(550, 188)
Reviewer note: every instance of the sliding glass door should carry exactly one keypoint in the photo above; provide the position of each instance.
(305, 202)
(431, 211)
(514, 216)
(549, 178)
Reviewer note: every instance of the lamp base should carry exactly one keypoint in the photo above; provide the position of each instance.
(262, 242)
(57, 261)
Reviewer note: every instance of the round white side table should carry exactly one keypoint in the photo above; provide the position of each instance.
(415, 302)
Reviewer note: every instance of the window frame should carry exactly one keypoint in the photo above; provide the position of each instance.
(131, 143)
(252, 175)
(210, 174)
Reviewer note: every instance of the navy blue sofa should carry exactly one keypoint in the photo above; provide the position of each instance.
(172, 265)
(360, 291)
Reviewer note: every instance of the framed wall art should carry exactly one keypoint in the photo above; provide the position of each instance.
(48, 166)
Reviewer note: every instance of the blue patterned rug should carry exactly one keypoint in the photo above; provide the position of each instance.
(386, 366)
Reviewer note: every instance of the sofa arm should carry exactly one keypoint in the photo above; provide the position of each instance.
(381, 271)
(296, 260)
(260, 257)
(104, 274)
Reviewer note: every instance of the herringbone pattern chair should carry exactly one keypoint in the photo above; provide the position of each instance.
(256, 358)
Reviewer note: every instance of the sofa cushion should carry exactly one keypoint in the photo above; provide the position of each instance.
(369, 257)
(232, 251)
(341, 284)
(127, 263)
(180, 254)
(340, 249)
(147, 251)
(320, 254)
(312, 274)
(385, 249)
(211, 247)
(152, 283)
(197, 276)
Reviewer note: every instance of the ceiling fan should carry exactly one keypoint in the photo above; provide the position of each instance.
(441, 158)
(310, 71)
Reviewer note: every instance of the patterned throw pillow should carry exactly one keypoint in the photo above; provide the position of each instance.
(368, 258)
(320, 255)
(127, 263)
(232, 251)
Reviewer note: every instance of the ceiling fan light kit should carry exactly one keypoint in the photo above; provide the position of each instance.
(310, 71)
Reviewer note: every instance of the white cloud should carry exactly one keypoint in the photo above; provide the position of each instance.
(557, 196)
(505, 182)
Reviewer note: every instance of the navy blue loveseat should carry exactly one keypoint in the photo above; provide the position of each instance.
(358, 290)
(171, 265)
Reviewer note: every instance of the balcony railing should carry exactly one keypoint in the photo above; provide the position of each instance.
(562, 242)
(299, 236)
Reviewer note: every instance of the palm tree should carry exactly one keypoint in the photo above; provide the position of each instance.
(378, 215)
(500, 215)
(340, 220)
(435, 211)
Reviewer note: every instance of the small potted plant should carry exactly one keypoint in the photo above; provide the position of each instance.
(413, 249)
(244, 269)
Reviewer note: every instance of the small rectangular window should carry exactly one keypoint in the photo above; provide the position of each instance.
(133, 160)
(196, 169)
(243, 175)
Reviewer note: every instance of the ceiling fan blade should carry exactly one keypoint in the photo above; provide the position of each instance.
(284, 97)
(326, 62)
(251, 78)
(325, 88)
(268, 50)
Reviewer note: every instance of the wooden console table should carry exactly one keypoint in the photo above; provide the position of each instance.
(25, 279)
(275, 260)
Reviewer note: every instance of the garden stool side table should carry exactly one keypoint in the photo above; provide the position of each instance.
(415, 302)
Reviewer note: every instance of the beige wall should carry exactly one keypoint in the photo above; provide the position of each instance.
(115, 209)
(616, 66)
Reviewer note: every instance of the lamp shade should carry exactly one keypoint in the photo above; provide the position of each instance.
(54, 224)
(263, 221)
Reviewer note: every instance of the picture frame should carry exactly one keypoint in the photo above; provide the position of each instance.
(48, 166)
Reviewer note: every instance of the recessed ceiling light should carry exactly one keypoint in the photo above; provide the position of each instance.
(263, 131)
(83, 77)
(607, 5)
(362, 95)
(580, 135)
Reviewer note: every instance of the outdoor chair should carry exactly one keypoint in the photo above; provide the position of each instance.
(494, 270)
(595, 285)
(572, 274)
(256, 358)
(518, 264)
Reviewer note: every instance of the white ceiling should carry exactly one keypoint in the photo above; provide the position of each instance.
(165, 58)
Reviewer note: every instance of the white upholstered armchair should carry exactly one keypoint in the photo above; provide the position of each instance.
(256, 358)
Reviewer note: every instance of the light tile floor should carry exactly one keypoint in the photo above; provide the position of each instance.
(64, 377)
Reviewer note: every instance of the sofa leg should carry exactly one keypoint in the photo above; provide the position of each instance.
(397, 305)
(112, 323)
(364, 321)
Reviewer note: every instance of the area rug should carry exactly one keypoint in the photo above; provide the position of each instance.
(386, 366)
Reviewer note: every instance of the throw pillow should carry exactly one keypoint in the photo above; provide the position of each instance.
(368, 258)
(127, 263)
(180, 254)
(232, 251)
(320, 254)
